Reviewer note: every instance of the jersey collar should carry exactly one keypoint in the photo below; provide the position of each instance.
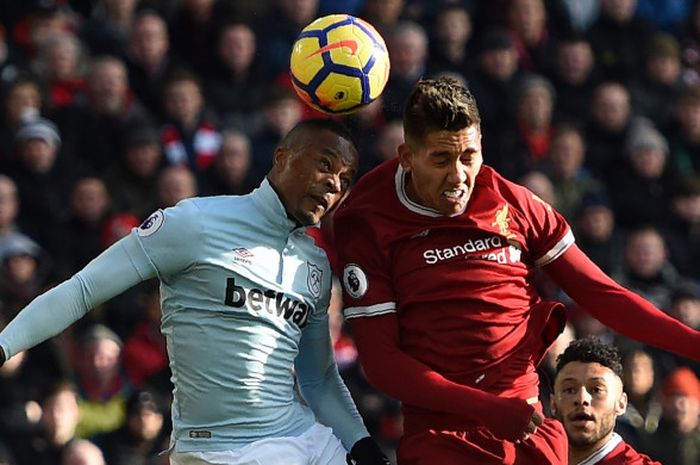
(598, 455)
(271, 208)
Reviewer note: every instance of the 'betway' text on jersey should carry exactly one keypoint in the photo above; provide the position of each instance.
(275, 303)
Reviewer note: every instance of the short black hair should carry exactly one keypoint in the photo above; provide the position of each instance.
(315, 125)
(591, 350)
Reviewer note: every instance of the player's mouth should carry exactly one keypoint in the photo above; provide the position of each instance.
(320, 202)
(454, 195)
(581, 419)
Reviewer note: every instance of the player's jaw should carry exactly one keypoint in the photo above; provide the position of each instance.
(585, 428)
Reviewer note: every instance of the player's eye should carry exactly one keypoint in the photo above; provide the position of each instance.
(325, 164)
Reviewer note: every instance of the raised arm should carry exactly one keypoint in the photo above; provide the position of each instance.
(619, 308)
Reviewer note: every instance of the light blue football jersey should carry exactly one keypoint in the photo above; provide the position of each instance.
(245, 295)
(233, 321)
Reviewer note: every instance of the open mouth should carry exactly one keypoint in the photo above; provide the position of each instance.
(581, 419)
(454, 195)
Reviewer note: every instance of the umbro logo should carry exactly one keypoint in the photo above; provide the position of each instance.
(242, 255)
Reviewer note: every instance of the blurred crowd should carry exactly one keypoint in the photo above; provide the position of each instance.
(111, 109)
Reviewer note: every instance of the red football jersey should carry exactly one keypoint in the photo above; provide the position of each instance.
(618, 452)
(460, 285)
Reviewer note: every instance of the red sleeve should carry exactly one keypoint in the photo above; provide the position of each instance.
(619, 308)
(397, 374)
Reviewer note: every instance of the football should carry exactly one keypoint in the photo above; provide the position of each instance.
(339, 63)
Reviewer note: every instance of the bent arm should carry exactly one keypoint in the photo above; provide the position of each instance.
(401, 376)
(323, 388)
(111, 273)
(619, 308)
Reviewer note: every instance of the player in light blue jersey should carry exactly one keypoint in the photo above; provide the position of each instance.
(245, 293)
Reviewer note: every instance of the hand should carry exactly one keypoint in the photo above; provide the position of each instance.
(536, 420)
(366, 452)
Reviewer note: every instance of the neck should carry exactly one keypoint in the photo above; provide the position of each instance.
(578, 454)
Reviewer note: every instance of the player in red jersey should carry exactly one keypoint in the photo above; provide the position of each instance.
(588, 398)
(438, 253)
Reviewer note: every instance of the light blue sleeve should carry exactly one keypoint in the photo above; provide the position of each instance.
(172, 238)
(323, 388)
(115, 270)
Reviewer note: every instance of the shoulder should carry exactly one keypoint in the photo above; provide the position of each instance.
(624, 454)
(372, 191)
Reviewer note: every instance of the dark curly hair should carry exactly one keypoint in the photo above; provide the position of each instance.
(591, 350)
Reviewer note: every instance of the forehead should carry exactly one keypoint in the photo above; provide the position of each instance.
(469, 137)
(329, 143)
(583, 372)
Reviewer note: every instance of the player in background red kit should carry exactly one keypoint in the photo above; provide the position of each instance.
(438, 253)
(588, 398)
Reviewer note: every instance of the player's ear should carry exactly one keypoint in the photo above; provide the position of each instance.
(552, 405)
(280, 157)
(405, 156)
(621, 404)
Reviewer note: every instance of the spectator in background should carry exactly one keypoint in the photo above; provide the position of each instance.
(103, 388)
(641, 192)
(524, 145)
(9, 209)
(495, 83)
(21, 102)
(408, 49)
(643, 407)
(656, 90)
(77, 238)
(574, 77)
(597, 233)
(385, 145)
(235, 85)
(174, 183)
(43, 179)
(619, 40)
(527, 23)
(450, 42)
(144, 349)
(383, 14)
(57, 427)
(60, 64)
(646, 269)
(189, 136)
(83, 452)
(106, 31)
(93, 127)
(682, 231)
(277, 31)
(131, 180)
(142, 438)
(281, 110)
(24, 269)
(149, 61)
(232, 172)
(564, 167)
(684, 132)
(677, 440)
(194, 25)
(606, 133)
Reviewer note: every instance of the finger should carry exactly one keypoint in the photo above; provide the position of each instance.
(537, 419)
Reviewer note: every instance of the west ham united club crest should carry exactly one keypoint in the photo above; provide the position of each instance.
(313, 279)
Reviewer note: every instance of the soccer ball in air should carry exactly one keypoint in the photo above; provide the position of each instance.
(339, 63)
